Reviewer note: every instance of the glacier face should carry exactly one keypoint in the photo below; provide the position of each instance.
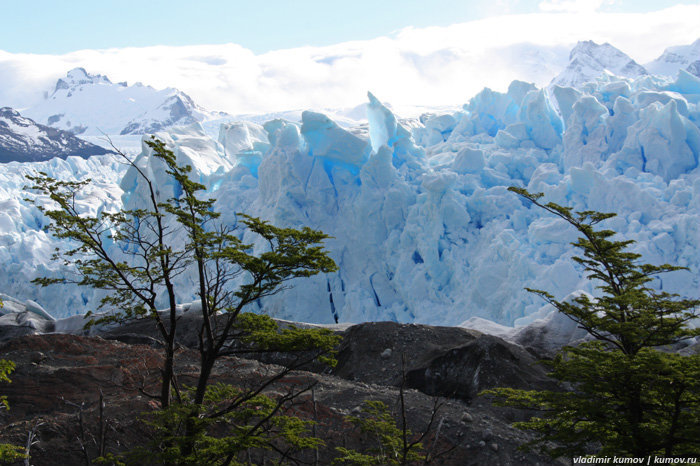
(25, 245)
(423, 227)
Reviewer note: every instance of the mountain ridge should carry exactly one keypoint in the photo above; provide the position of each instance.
(673, 59)
(24, 140)
(91, 104)
(589, 60)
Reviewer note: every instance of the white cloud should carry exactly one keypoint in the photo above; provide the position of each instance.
(428, 66)
(573, 6)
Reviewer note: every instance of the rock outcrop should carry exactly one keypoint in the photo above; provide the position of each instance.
(59, 379)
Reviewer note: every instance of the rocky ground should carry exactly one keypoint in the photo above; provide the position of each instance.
(59, 379)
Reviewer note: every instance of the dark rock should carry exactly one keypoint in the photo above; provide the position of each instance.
(445, 361)
(486, 362)
(417, 345)
(11, 332)
(23, 140)
(136, 339)
(75, 369)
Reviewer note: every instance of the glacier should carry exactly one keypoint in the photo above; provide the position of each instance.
(421, 223)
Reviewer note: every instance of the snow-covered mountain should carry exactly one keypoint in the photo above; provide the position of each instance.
(682, 57)
(92, 105)
(23, 140)
(588, 60)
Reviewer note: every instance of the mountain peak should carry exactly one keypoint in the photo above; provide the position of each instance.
(680, 57)
(79, 76)
(77, 73)
(584, 46)
(588, 60)
(79, 100)
(8, 112)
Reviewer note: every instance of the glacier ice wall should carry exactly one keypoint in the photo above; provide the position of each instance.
(423, 227)
(25, 245)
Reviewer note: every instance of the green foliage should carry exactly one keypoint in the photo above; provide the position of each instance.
(389, 443)
(292, 253)
(628, 397)
(637, 406)
(229, 426)
(151, 258)
(628, 314)
(6, 368)
(164, 239)
(261, 333)
(8, 453)
(131, 279)
(230, 422)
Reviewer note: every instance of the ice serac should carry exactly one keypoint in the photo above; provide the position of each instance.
(564, 99)
(589, 60)
(244, 142)
(435, 128)
(662, 142)
(490, 111)
(688, 85)
(543, 125)
(329, 141)
(12, 305)
(585, 139)
(192, 147)
(385, 130)
(513, 118)
(469, 160)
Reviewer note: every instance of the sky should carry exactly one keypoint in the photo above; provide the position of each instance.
(313, 54)
(53, 27)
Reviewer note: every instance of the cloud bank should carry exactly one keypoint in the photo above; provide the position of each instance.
(573, 6)
(428, 66)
